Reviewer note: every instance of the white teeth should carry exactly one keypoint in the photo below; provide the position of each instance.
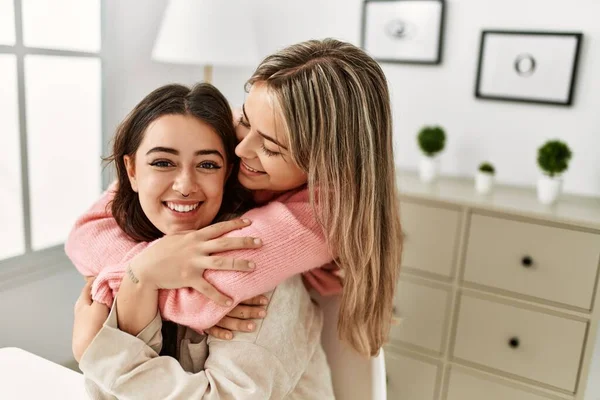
(250, 169)
(181, 207)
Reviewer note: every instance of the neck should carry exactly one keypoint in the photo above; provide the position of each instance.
(263, 196)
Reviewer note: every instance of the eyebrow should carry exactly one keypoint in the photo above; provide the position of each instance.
(169, 150)
(265, 136)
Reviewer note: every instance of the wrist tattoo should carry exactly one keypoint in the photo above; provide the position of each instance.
(131, 275)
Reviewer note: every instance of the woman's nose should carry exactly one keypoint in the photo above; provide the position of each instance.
(185, 183)
(247, 147)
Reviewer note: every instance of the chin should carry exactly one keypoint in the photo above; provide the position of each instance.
(183, 228)
(249, 183)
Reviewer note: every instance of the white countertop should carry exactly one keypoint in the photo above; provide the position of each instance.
(569, 209)
(26, 376)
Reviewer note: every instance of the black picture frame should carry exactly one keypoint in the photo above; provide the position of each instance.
(406, 60)
(531, 62)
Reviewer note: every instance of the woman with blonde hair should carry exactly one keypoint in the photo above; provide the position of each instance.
(316, 149)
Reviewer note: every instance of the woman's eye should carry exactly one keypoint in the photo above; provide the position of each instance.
(209, 165)
(161, 164)
(244, 123)
(269, 153)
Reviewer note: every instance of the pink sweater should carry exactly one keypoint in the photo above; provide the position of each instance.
(293, 243)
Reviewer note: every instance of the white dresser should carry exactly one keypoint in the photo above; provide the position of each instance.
(498, 295)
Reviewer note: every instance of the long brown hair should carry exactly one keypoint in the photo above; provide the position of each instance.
(334, 102)
(204, 102)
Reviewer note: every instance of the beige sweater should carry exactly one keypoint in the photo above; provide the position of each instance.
(282, 359)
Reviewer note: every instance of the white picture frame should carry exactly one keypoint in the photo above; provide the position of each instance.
(404, 31)
(529, 67)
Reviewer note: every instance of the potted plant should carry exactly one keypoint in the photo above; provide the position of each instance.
(432, 140)
(553, 158)
(484, 179)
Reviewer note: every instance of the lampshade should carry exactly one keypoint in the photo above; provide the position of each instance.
(207, 32)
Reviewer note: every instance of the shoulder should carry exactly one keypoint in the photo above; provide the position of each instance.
(293, 205)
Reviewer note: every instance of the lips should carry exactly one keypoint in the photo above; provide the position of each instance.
(184, 208)
(246, 169)
(250, 169)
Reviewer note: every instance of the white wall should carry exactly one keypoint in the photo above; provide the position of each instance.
(506, 133)
(130, 28)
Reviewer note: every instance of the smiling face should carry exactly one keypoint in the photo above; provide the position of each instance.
(179, 171)
(265, 161)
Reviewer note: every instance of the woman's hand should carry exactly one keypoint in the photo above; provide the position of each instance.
(238, 319)
(178, 261)
(89, 317)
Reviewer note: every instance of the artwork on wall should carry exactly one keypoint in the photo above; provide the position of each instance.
(404, 31)
(532, 67)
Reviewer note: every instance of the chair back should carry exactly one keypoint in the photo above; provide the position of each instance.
(354, 377)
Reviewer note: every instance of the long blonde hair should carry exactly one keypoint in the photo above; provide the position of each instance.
(335, 106)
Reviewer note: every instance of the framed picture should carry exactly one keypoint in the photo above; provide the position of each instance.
(532, 67)
(404, 31)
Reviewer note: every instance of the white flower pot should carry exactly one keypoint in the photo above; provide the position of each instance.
(548, 189)
(484, 182)
(428, 169)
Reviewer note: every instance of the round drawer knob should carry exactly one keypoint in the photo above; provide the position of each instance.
(527, 261)
(514, 342)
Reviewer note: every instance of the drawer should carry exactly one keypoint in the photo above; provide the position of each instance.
(431, 237)
(409, 378)
(532, 344)
(422, 313)
(464, 386)
(563, 262)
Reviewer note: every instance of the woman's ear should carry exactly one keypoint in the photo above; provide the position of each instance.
(130, 167)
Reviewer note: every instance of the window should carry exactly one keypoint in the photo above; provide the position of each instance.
(51, 125)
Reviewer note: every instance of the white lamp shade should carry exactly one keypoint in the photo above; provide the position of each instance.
(207, 32)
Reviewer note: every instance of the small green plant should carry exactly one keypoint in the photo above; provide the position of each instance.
(553, 157)
(487, 168)
(432, 140)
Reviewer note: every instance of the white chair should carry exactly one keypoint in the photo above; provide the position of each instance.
(354, 377)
